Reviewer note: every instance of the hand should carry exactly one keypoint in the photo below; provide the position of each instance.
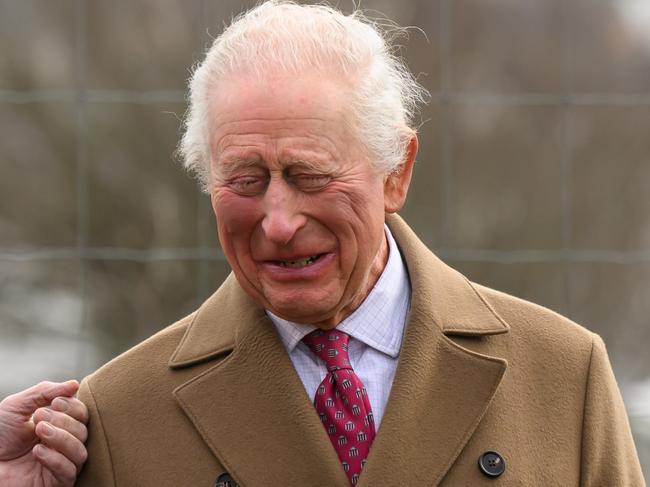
(42, 435)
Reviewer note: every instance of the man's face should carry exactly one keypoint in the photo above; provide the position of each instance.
(300, 210)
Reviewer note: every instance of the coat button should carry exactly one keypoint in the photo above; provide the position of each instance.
(492, 464)
(225, 480)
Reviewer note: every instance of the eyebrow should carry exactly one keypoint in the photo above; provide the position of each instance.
(228, 166)
(314, 160)
(302, 163)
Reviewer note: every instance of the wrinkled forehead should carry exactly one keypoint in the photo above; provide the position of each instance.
(277, 95)
(319, 105)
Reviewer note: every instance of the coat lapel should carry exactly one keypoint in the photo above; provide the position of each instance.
(441, 390)
(251, 408)
(439, 396)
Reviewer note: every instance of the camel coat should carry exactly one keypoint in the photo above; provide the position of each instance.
(478, 371)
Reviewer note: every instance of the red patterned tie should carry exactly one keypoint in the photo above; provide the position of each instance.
(342, 402)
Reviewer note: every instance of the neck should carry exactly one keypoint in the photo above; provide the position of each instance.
(378, 266)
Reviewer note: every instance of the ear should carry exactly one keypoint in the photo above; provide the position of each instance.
(397, 182)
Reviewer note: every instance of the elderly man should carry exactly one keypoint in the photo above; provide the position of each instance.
(341, 351)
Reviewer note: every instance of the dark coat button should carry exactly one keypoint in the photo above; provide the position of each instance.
(225, 480)
(492, 464)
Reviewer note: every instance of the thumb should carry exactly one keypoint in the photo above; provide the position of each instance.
(24, 403)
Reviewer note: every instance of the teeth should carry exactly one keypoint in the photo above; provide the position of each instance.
(298, 263)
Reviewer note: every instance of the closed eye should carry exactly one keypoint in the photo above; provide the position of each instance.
(310, 182)
(248, 185)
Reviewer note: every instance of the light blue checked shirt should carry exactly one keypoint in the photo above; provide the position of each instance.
(375, 328)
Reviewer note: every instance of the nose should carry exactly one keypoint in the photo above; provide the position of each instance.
(282, 212)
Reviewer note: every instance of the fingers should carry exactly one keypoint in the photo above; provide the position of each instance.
(63, 442)
(72, 407)
(26, 402)
(63, 470)
(63, 421)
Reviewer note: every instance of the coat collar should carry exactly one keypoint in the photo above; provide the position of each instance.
(217, 325)
(456, 305)
(241, 404)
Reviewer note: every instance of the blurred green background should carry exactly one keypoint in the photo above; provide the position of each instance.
(533, 175)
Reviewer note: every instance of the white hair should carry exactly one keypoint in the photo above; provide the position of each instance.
(306, 38)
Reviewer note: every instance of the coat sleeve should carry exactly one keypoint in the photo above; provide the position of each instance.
(608, 453)
(98, 470)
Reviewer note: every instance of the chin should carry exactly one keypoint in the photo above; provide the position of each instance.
(302, 314)
(301, 301)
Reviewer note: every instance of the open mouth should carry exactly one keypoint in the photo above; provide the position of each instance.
(296, 264)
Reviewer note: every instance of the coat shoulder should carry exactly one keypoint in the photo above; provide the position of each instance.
(536, 326)
(141, 367)
(168, 358)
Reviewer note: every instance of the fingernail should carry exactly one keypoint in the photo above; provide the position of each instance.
(60, 404)
(39, 451)
(47, 430)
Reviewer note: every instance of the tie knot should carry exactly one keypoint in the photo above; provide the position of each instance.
(331, 346)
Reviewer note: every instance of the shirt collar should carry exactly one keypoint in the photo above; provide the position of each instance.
(379, 321)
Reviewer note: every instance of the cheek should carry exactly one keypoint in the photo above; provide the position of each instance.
(363, 194)
(357, 220)
(358, 211)
(235, 214)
